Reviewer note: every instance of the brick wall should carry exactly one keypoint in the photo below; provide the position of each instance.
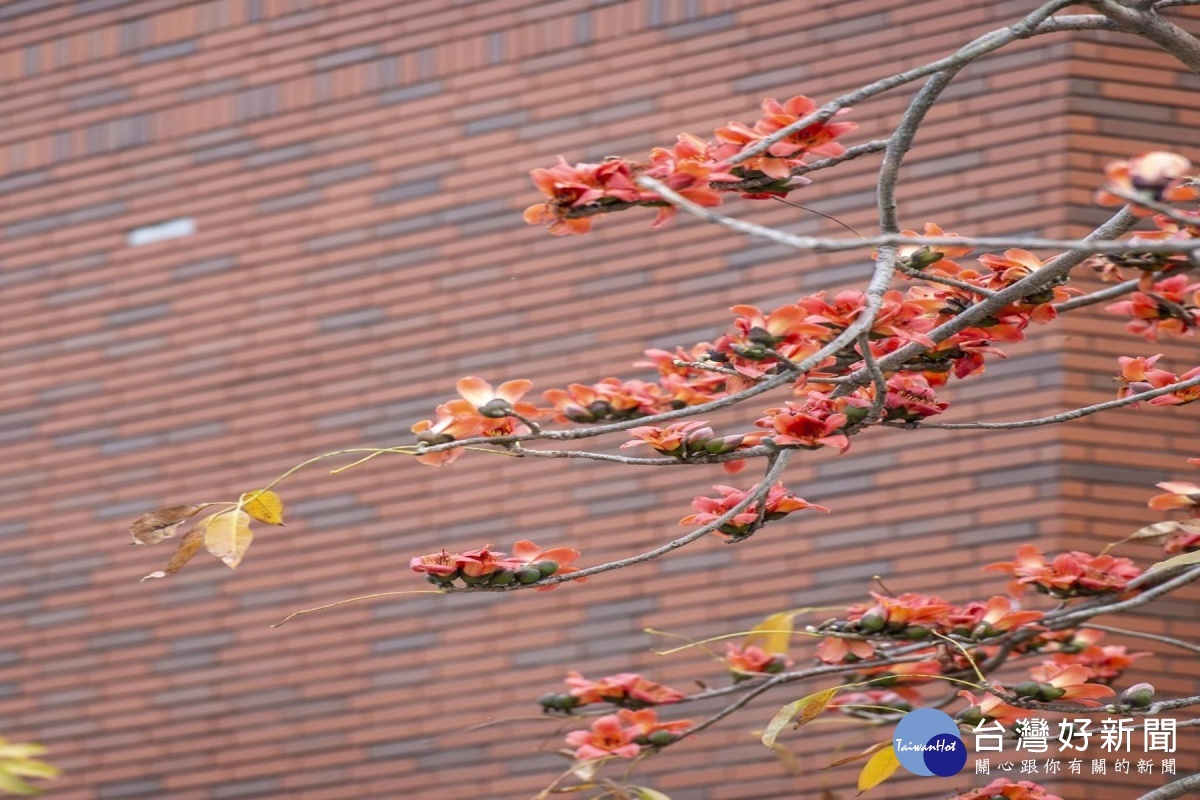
(355, 171)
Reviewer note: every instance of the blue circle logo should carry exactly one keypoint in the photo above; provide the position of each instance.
(927, 743)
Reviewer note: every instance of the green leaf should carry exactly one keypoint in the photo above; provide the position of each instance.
(801, 712)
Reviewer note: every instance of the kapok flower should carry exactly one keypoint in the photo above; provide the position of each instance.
(744, 662)
(990, 708)
(1106, 662)
(1180, 397)
(682, 439)
(811, 425)
(896, 614)
(871, 703)
(983, 620)
(780, 157)
(1139, 375)
(555, 561)
(836, 650)
(1008, 790)
(1071, 683)
(646, 723)
(497, 403)
(627, 689)
(1157, 175)
(1172, 305)
(571, 189)
(442, 564)
(1072, 574)
(779, 502)
(1179, 494)
(606, 738)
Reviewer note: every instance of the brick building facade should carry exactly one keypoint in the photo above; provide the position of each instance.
(352, 175)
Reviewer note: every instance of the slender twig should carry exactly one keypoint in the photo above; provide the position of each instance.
(773, 473)
(1149, 202)
(1061, 417)
(1099, 296)
(1154, 637)
(979, 47)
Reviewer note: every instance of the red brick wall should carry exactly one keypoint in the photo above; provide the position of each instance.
(356, 172)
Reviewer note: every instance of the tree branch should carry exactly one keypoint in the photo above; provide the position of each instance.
(1144, 22)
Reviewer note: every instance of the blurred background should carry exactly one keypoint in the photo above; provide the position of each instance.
(235, 234)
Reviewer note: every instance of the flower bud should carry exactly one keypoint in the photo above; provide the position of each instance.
(924, 258)
(528, 575)
(661, 738)
(917, 632)
(496, 408)
(1139, 695)
(873, 621)
(434, 438)
(502, 577)
(546, 568)
(1050, 692)
(970, 716)
(1027, 689)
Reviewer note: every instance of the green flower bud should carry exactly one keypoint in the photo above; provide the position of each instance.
(970, 716)
(502, 577)
(661, 738)
(917, 632)
(546, 568)
(1050, 692)
(528, 575)
(1139, 695)
(871, 623)
(1027, 689)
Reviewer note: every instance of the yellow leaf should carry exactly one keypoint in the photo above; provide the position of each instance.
(189, 545)
(152, 528)
(11, 784)
(878, 769)
(1180, 560)
(227, 536)
(774, 633)
(803, 711)
(264, 505)
(642, 793)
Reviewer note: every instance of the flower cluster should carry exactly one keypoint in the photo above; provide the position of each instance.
(626, 689)
(1183, 496)
(778, 503)
(746, 662)
(694, 168)
(1170, 305)
(624, 734)
(487, 567)
(1158, 176)
(692, 440)
(1073, 574)
(1139, 375)
(1105, 662)
(481, 411)
(1004, 789)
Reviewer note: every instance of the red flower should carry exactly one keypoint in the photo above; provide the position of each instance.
(1069, 574)
(753, 660)
(1106, 663)
(989, 707)
(626, 689)
(646, 722)
(810, 425)
(779, 503)
(1072, 682)
(836, 650)
(1138, 375)
(1158, 175)
(1171, 306)
(606, 738)
(1008, 790)
(1180, 397)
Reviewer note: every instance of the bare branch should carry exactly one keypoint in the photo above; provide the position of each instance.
(979, 47)
(1098, 296)
(1144, 22)
(1174, 789)
(1062, 417)
(1152, 204)
(1154, 637)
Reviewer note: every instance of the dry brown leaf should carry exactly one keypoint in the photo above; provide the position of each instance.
(264, 505)
(801, 712)
(152, 528)
(857, 756)
(189, 545)
(227, 536)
